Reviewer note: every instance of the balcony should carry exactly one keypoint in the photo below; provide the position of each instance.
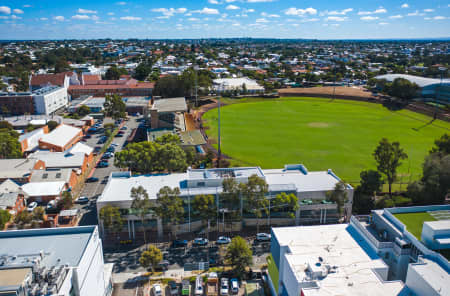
(371, 235)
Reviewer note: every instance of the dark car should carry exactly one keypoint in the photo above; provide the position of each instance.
(102, 164)
(111, 149)
(124, 128)
(92, 180)
(178, 243)
(97, 149)
(118, 136)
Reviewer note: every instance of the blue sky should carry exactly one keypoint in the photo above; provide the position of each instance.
(362, 19)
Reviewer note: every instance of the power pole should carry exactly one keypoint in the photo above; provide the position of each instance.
(219, 156)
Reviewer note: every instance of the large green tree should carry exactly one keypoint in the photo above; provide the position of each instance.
(339, 196)
(142, 71)
(141, 206)
(114, 73)
(388, 157)
(5, 216)
(285, 202)
(402, 88)
(151, 257)
(114, 106)
(9, 144)
(363, 198)
(254, 193)
(111, 219)
(169, 205)
(239, 255)
(205, 208)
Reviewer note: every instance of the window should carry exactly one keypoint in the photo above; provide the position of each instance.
(201, 184)
(45, 176)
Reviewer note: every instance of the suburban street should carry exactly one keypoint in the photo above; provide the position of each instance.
(94, 189)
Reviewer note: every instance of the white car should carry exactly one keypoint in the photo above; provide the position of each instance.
(224, 287)
(82, 199)
(263, 237)
(223, 240)
(51, 204)
(157, 290)
(32, 206)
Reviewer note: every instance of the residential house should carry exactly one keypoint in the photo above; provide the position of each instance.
(61, 138)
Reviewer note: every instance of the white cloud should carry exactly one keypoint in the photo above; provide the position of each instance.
(369, 18)
(428, 10)
(59, 18)
(15, 17)
(340, 12)
(5, 9)
(259, 1)
(439, 17)
(110, 13)
(415, 13)
(405, 5)
(121, 3)
(300, 12)
(397, 16)
(193, 19)
(169, 12)
(86, 11)
(336, 18)
(213, 2)
(131, 18)
(207, 10)
(376, 11)
(261, 20)
(27, 6)
(383, 23)
(80, 17)
(265, 14)
(310, 20)
(18, 11)
(232, 7)
(249, 10)
(43, 19)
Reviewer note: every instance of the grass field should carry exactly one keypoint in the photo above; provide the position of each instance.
(321, 133)
(414, 221)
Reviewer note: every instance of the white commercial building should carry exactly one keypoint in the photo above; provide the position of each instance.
(326, 260)
(49, 99)
(309, 187)
(54, 261)
(230, 84)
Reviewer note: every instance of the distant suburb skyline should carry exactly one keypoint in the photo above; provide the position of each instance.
(157, 19)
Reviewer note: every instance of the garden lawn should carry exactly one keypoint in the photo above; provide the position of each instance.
(321, 134)
(414, 222)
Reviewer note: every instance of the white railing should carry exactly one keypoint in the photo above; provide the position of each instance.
(369, 236)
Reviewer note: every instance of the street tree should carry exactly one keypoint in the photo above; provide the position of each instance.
(168, 139)
(230, 198)
(338, 196)
(83, 110)
(442, 145)
(111, 219)
(66, 201)
(9, 144)
(371, 181)
(151, 257)
(5, 216)
(169, 205)
(114, 73)
(52, 125)
(286, 202)
(114, 106)
(109, 128)
(388, 157)
(140, 206)
(205, 208)
(254, 192)
(239, 255)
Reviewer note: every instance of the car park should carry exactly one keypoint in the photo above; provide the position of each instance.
(92, 180)
(223, 240)
(157, 291)
(234, 286)
(200, 241)
(82, 199)
(263, 237)
(32, 206)
(179, 243)
(224, 287)
(173, 288)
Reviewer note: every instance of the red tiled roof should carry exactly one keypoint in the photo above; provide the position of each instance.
(91, 79)
(53, 79)
(113, 86)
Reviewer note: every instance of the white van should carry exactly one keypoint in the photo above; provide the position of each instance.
(199, 286)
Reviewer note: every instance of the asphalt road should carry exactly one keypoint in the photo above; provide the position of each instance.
(94, 189)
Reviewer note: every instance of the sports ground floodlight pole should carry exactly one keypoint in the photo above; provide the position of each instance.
(219, 151)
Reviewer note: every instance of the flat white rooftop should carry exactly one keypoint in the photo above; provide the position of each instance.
(337, 248)
(61, 135)
(438, 225)
(434, 275)
(312, 181)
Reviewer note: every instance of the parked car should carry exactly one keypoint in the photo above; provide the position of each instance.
(97, 149)
(163, 265)
(200, 241)
(82, 199)
(179, 243)
(199, 286)
(107, 155)
(157, 291)
(224, 286)
(118, 136)
(102, 164)
(223, 240)
(173, 287)
(51, 204)
(32, 206)
(92, 180)
(111, 149)
(234, 286)
(263, 237)
(124, 128)
(120, 132)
